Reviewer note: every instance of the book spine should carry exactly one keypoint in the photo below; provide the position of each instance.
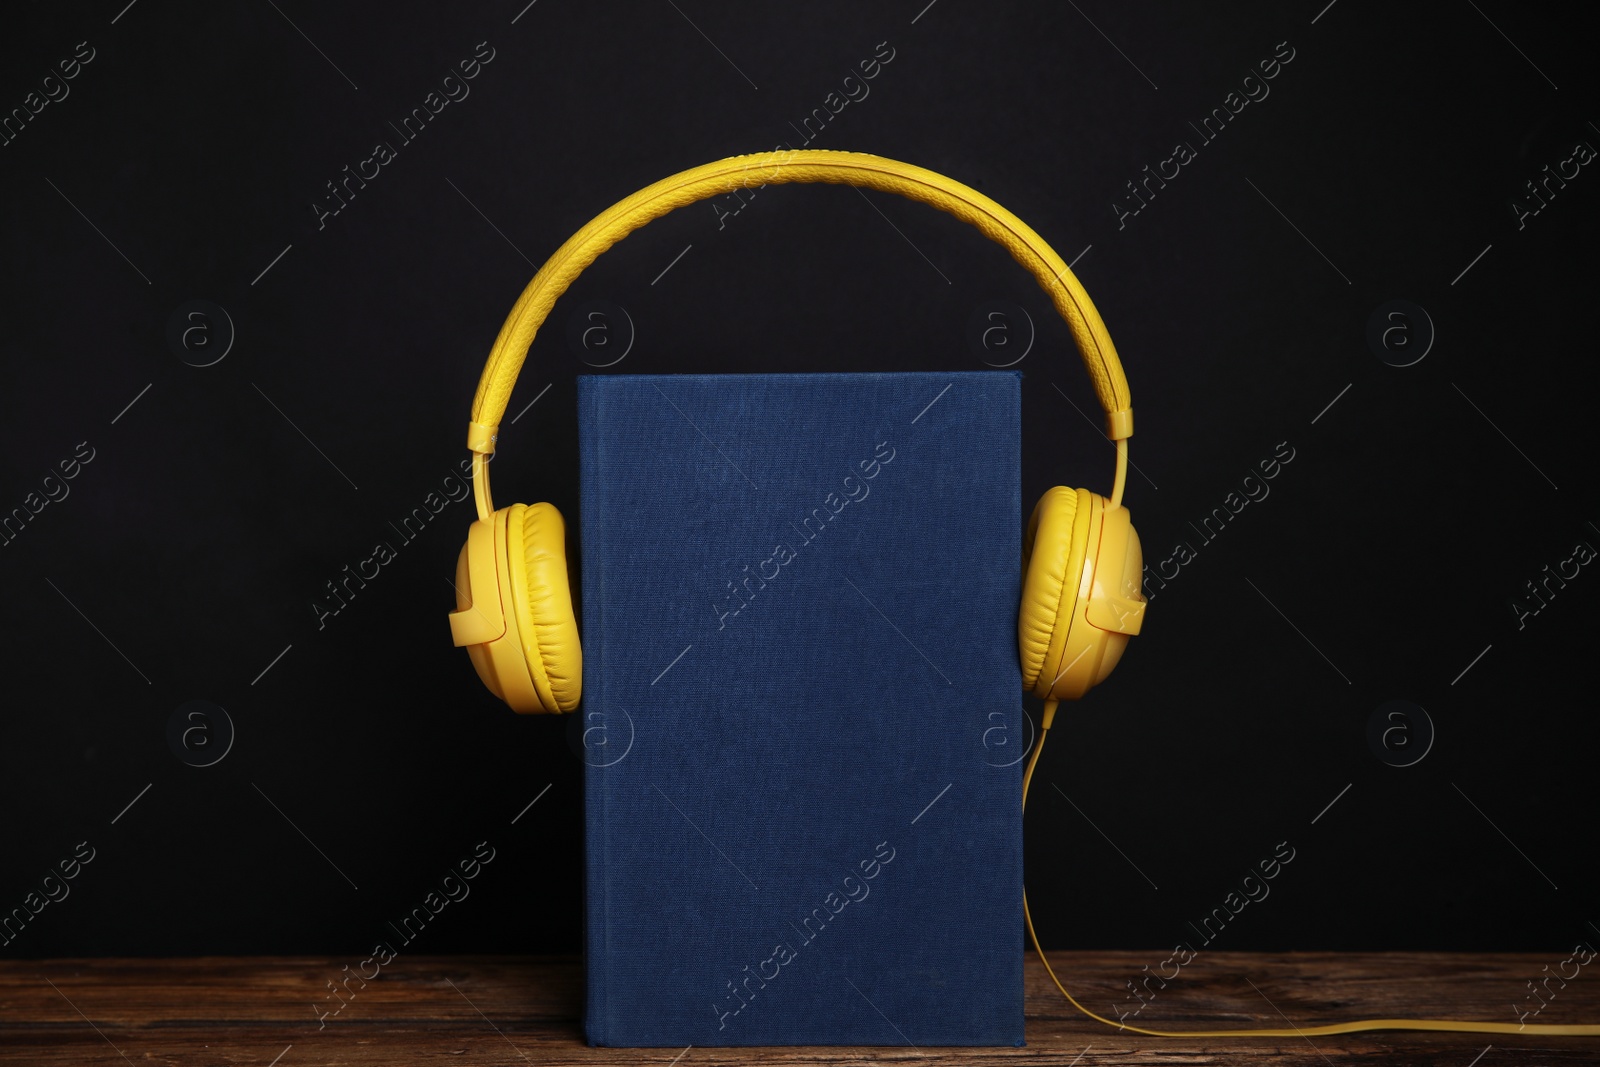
(591, 520)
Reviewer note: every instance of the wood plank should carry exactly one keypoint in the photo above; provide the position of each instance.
(520, 1011)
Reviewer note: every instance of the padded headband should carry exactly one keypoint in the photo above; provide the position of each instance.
(796, 165)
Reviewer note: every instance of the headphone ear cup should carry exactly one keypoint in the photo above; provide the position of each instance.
(1081, 598)
(536, 547)
(1052, 562)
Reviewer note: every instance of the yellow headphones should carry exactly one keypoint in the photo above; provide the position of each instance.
(1081, 595)
(1081, 598)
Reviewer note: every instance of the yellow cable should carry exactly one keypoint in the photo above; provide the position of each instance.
(1448, 1025)
(1122, 472)
(480, 485)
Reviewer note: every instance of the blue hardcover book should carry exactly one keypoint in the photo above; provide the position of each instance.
(802, 711)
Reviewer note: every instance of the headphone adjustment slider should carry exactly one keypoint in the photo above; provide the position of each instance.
(481, 438)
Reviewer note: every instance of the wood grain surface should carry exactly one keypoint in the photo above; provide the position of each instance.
(517, 1011)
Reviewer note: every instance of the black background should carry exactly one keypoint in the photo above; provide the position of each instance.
(189, 551)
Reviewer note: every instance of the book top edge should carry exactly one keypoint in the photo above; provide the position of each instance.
(809, 376)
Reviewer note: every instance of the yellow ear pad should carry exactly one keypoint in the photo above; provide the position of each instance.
(1050, 554)
(536, 545)
(1081, 597)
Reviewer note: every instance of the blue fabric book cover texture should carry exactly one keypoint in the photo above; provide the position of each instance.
(802, 712)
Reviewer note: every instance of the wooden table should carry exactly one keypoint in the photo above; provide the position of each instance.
(517, 1011)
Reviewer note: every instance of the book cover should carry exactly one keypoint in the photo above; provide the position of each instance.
(802, 714)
